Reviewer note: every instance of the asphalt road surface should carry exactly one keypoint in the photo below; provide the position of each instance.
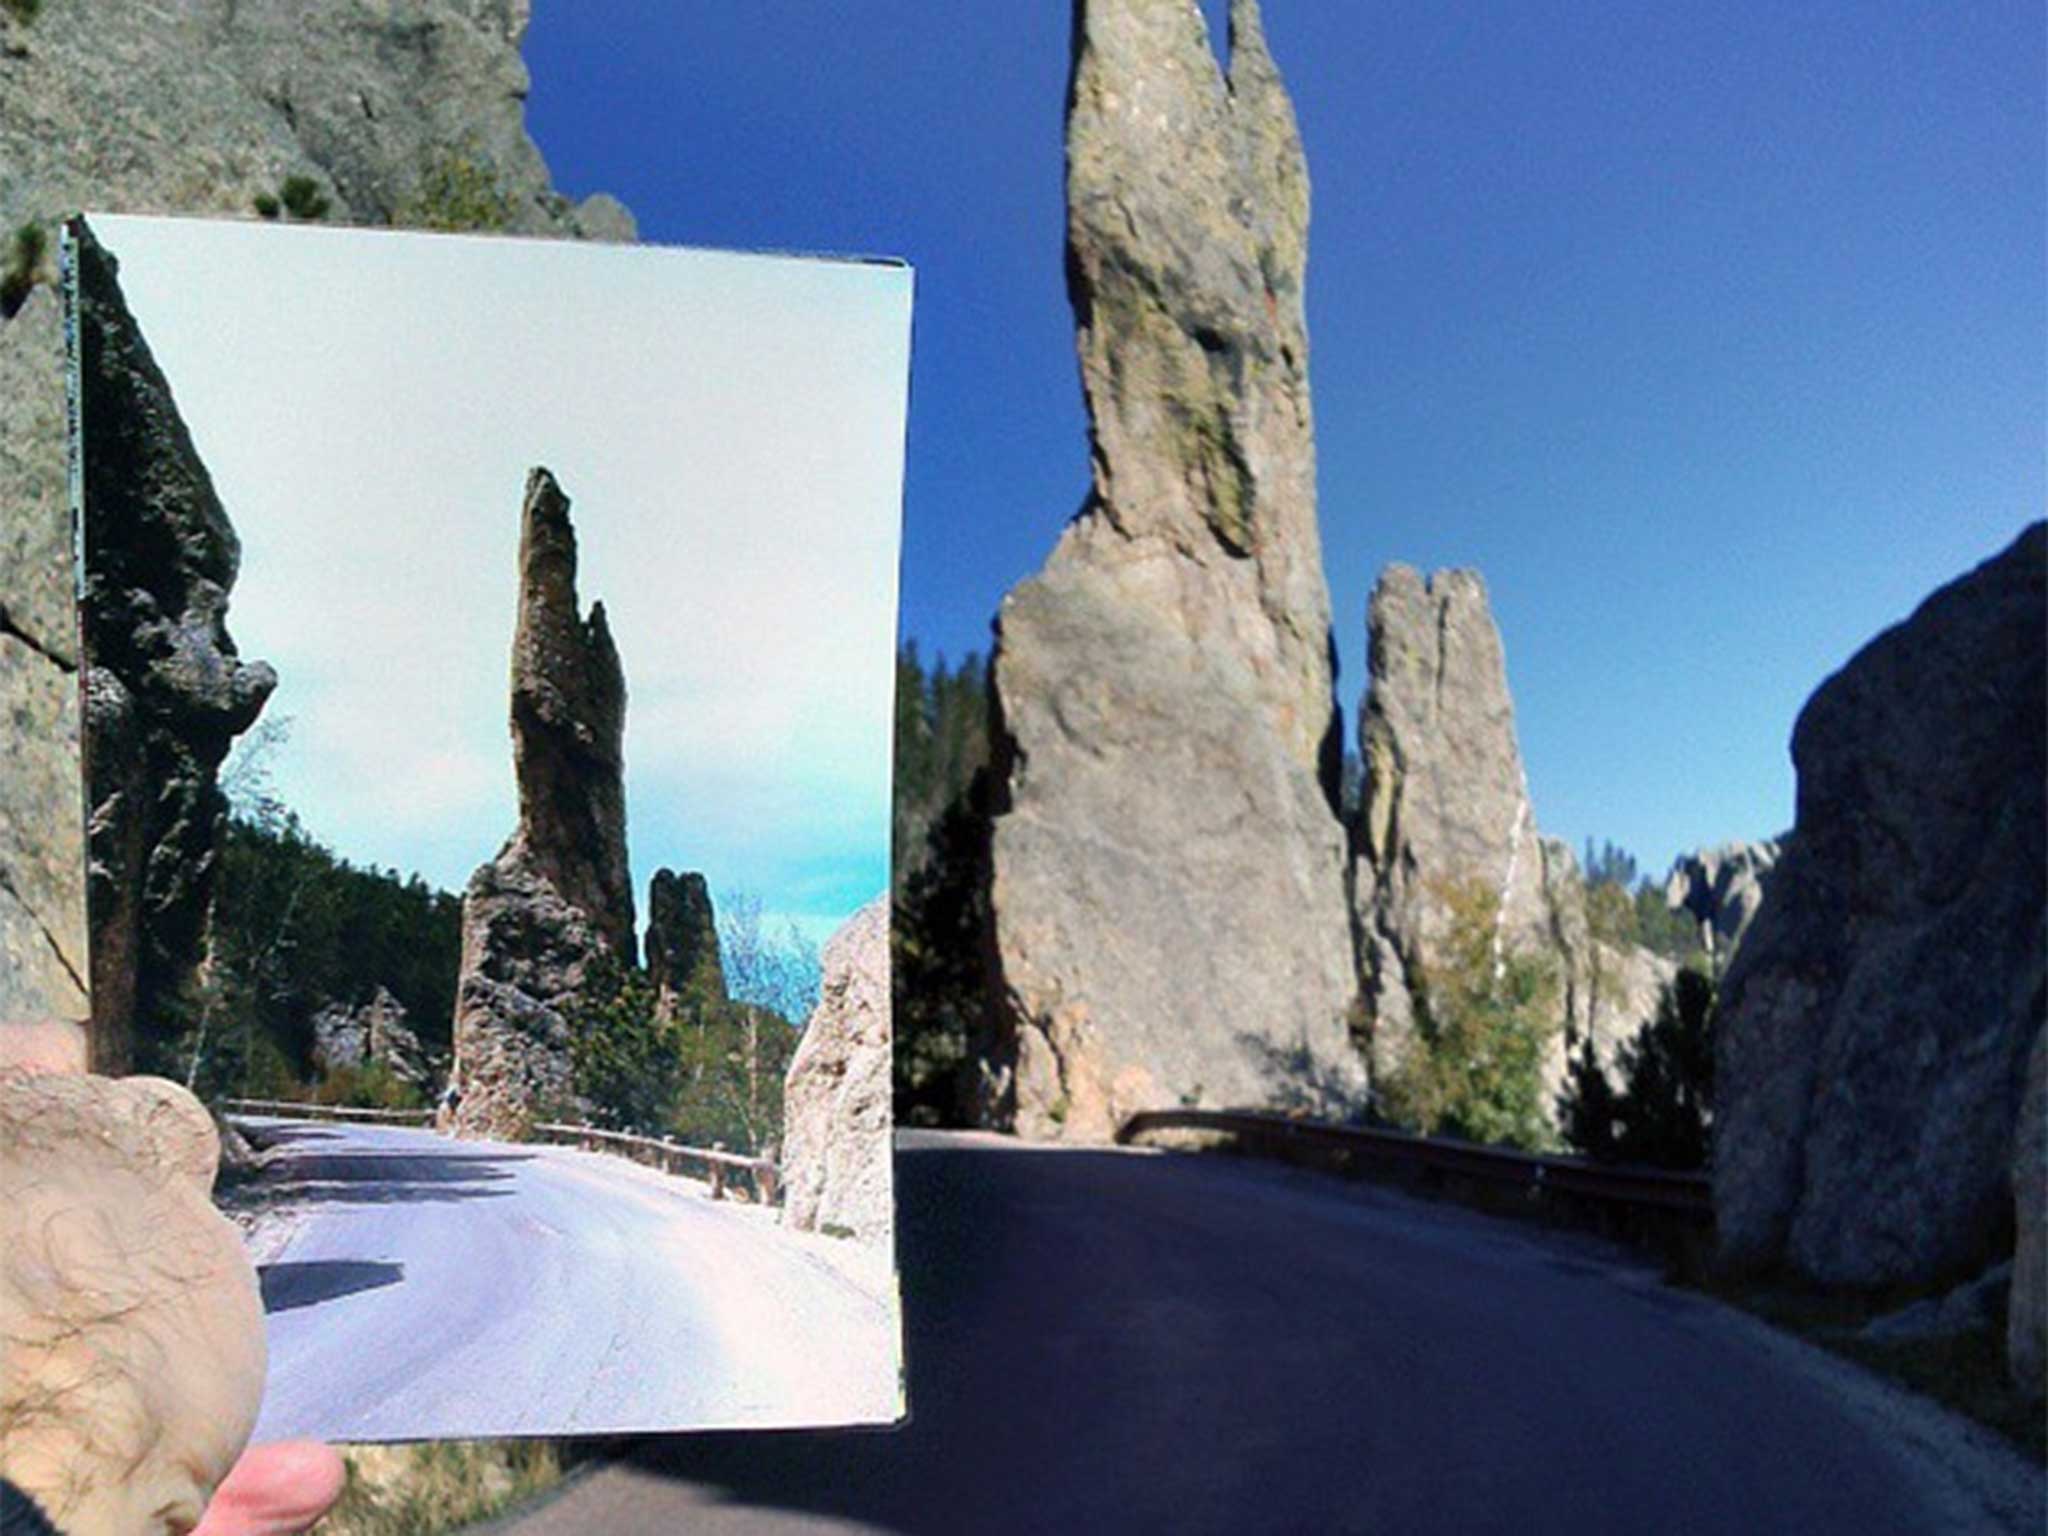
(1103, 1341)
(441, 1288)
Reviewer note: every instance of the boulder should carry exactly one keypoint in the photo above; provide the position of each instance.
(374, 1032)
(1721, 889)
(682, 940)
(1167, 890)
(555, 903)
(1872, 1046)
(836, 1170)
(2027, 1311)
(1445, 818)
(166, 692)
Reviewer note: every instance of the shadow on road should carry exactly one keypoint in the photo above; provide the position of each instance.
(1107, 1342)
(291, 1285)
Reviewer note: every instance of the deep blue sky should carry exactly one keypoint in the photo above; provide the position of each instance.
(1712, 334)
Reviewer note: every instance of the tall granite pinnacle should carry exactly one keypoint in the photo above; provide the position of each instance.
(1168, 894)
(568, 724)
(538, 920)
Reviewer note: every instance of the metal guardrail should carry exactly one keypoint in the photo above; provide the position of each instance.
(1688, 1193)
(719, 1164)
(290, 1108)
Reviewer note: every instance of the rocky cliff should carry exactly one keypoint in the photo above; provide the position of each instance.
(1875, 1024)
(555, 903)
(166, 692)
(1445, 812)
(1167, 887)
(1721, 890)
(405, 113)
(373, 1033)
(836, 1168)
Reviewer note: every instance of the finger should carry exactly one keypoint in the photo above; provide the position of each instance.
(31, 1047)
(275, 1490)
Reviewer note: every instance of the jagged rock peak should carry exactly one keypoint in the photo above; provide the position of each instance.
(568, 725)
(166, 692)
(1155, 948)
(682, 938)
(1445, 808)
(1721, 889)
(1871, 1052)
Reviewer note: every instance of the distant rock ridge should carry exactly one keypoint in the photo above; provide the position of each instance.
(1167, 885)
(555, 904)
(1721, 889)
(1876, 1023)
(374, 1033)
(166, 692)
(1445, 803)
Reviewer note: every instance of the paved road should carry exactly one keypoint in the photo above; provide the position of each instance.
(1125, 1343)
(438, 1288)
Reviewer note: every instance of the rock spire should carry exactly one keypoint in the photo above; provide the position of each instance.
(1167, 889)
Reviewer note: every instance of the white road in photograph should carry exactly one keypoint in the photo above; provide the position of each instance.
(442, 1288)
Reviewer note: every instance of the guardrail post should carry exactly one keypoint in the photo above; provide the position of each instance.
(765, 1181)
(717, 1173)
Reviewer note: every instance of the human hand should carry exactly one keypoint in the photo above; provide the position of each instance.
(129, 1314)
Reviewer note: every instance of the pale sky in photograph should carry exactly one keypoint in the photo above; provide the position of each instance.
(730, 431)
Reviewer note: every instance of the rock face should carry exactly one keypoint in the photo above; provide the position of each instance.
(1875, 1024)
(555, 900)
(2027, 1309)
(375, 1032)
(1721, 890)
(398, 112)
(405, 114)
(166, 693)
(1445, 809)
(836, 1168)
(682, 939)
(1167, 888)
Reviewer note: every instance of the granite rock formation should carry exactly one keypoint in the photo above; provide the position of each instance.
(375, 1032)
(1167, 888)
(836, 1168)
(1445, 804)
(166, 693)
(1874, 1028)
(682, 940)
(2027, 1303)
(1721, 889)
(200, 108)
(555, 902)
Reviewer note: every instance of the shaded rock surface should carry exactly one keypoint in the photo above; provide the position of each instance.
(1167, 887)
(375, 1032)
(682, 939)
(166, 692)
(400, 113)
(2027, 1313)
(1874, 1028)
(1721, 889)
(836, 1167)
(555, 902)
(1445, 806)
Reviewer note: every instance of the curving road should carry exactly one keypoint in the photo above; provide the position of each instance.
(440, 1288)
(1107, 1341)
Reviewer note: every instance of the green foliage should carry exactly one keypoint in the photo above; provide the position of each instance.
(458, 191)
(24, 267)
(303, 199)
(367, 1085)
(23, 11)
(294, 928)
(267, 205)
(1625, 907)
(1668, 931)
(939, 923)
(627, 1059)
(1474, 1067)
(1662, 1114)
